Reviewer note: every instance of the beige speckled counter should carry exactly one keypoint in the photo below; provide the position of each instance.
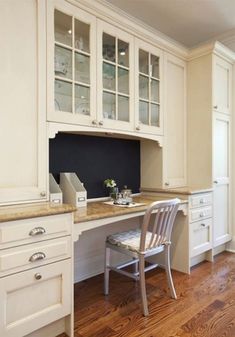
(99, 210)
(181, 190)
(26, 211)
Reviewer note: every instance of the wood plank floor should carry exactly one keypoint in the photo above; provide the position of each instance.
(205, 306)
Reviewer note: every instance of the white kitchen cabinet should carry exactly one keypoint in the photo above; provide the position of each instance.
(36, 276)
(209, 136)
(221, 179)
(166, 167)
(23, 144)
(175, 139)
(115, 69)
(222, 94)
(148, 88)
(71, 56)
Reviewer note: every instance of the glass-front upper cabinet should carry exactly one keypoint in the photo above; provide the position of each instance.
(72, 64)
(115, 87)
(148, 80)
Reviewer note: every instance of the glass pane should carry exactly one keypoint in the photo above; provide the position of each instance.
(109, 105)
(154, 91)
(143, 87)
(82, 100)
(82, 68)
(123, 108)
(144, 112)
(143, 61)
(63, 62)
(109, 47)
(109, 81)
(123, 81)
(154, 66)
(82, 36)
(63, 96)
(123, 53)
(155, 112)
(63, 28)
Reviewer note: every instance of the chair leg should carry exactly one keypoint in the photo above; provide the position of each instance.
(135, 267)
(106, 270)
(168, 272)
(142, 286)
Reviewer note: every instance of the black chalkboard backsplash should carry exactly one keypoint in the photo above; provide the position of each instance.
(95, 159)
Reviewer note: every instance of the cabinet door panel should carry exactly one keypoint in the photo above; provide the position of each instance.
(222, 85)
(71, 60)
(175, 123)
(29, 303)
(22, 105)
(221, 174)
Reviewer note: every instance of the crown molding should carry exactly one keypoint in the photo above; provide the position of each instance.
(215, 47)
(115, 16)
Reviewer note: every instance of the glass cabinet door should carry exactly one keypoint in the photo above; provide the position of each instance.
(74, 50)
(115, 72)
(148, 93)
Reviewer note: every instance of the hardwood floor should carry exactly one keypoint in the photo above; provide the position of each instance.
(205, 306)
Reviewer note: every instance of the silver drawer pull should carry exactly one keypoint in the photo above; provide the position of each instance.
(203, 224)
(202, 215)
(202, 201)
(38, 276)
(37, 256)
(37, 231)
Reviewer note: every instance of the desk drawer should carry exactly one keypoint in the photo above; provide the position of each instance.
(35, 298)
(29, 256)
(200, 200)
(15, 233)
(200, 236)
(200, 213)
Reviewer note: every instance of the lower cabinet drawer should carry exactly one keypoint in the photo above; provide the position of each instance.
(34, 298)
(200, 200)
(200, 237)
(24, 257)
(200, 213)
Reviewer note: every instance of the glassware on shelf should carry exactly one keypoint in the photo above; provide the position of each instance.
(63, 96)
(82, 36)
(82, 68)
(82, 99)
(123, 108)
(109, 50)
(109, 105)
(63, 62)
(63, 28)
(109, 76)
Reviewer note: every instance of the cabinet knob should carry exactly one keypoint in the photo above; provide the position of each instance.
(94, 122)
(101, 123)
(138, 128)
(37, 256)
(202, 201)
(167, 184)
(38, 276)
(201, 215)
(215, 182)
(215, 106)
(37, 231)
(43, 194)
(203, 225)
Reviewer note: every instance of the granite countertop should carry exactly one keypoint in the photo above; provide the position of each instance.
(100, 210)
(33, 210)
(180, 190)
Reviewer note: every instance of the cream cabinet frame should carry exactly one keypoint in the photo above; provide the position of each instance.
(118, 34)
(23, 142)
(140, 127)
(75, 13)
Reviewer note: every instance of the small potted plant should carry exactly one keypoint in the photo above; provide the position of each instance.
(112, 186)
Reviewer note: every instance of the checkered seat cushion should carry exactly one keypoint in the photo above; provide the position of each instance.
(130, 240)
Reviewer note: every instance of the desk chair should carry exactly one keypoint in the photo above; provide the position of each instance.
(142, 243)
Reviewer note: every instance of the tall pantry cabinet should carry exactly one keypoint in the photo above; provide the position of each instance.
(209, 131)
(23, 101)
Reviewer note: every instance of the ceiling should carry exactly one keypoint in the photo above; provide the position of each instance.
(189, 22)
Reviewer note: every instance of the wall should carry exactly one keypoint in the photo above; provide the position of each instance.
(95, 159)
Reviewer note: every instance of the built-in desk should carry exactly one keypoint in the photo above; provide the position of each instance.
(98, 214)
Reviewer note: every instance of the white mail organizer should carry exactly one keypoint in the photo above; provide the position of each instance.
(73, 190)
(55, 192)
